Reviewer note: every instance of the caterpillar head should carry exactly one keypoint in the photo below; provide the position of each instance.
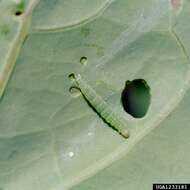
(77, 77)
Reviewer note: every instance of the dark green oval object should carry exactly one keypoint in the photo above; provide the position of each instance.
(136, 98)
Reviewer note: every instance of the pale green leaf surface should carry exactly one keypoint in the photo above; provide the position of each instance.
(161, 157)
(13, 30)
(52, 140)
(58, 14)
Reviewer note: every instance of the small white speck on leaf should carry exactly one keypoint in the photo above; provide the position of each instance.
(71, 154)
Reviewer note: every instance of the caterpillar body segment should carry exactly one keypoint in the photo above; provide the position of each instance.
(101, 107)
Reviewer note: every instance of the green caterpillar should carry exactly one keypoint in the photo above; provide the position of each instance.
(101, 107)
